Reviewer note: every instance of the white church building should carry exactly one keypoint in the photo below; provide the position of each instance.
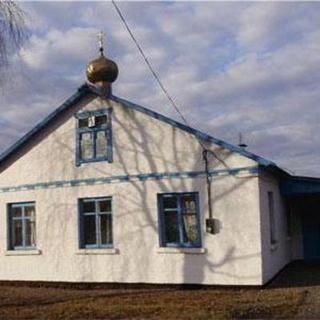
(105, 190)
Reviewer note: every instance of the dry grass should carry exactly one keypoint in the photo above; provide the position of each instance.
(22, 302)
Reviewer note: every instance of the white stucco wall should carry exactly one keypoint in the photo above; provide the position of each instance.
(141, 145)
(274, 257)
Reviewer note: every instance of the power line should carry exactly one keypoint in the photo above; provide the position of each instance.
(150, 66)
(205, 151)
(156, 76)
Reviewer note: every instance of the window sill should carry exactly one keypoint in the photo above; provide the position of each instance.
(82, 162)
(183, 250)
(97, 251)
(274, 246)
(31, 252)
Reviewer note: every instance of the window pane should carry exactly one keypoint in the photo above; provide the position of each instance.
(190, 232)
(170, 202)
(83, 123)
(105, 206)
(17, 233)
(273, 237)
(30, 233)
(106, 228)
(88, 206)
(101, 144)
(89, 229)
(86, 145)
(189, 204)
(171, 227)
(29, 211)
(16, 212)
(101, 120)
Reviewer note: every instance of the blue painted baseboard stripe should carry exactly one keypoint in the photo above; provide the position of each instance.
(127, 178)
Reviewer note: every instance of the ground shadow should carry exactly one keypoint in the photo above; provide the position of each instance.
(298, 273)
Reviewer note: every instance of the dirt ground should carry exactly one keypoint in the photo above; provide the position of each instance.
(295, 293)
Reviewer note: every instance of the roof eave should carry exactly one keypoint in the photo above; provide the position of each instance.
(199, 134)
(81, 92)
(89, 89)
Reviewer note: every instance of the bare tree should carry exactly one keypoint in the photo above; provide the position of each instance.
(13, 31)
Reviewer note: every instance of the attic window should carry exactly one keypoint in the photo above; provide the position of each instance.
(94, 136)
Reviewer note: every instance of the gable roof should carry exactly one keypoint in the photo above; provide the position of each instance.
(87, 89)
(81, 92)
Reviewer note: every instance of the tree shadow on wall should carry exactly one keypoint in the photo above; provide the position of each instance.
(142, 148)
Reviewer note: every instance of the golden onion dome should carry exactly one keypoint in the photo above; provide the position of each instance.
(102, 70)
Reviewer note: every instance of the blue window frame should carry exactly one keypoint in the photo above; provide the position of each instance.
(96, 222)
(94, 136)
(179, 219)
(21, 226)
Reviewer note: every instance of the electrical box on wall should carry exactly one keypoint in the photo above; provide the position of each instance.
(210, 225)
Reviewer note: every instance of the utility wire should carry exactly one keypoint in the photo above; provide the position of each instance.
(205, 151)
(154, 73)
(165, 91)
(151, 68)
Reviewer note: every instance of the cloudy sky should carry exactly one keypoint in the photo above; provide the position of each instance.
(231, 67)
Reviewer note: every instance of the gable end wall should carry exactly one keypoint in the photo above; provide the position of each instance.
(142, 145)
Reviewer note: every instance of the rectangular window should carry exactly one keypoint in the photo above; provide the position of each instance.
(179, 220)
(94, 136)
(288, 218)
(96, 222)
(22, 226)
(273, 237)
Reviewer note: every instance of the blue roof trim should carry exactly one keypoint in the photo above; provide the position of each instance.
(88, 89)
(82, 91)
(200, 135)
(251, 171)
(299, 185)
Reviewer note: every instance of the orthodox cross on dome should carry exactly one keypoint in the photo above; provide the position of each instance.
(100, 41)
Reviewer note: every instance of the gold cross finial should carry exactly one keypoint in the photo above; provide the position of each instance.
(100, 41)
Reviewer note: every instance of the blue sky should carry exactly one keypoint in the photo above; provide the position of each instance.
(250, 67)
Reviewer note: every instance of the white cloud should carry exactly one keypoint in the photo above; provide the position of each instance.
(267, 25)
(59, 49)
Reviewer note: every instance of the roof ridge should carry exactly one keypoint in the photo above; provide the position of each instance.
(81, 91)
(87, 88)
(199, 134)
